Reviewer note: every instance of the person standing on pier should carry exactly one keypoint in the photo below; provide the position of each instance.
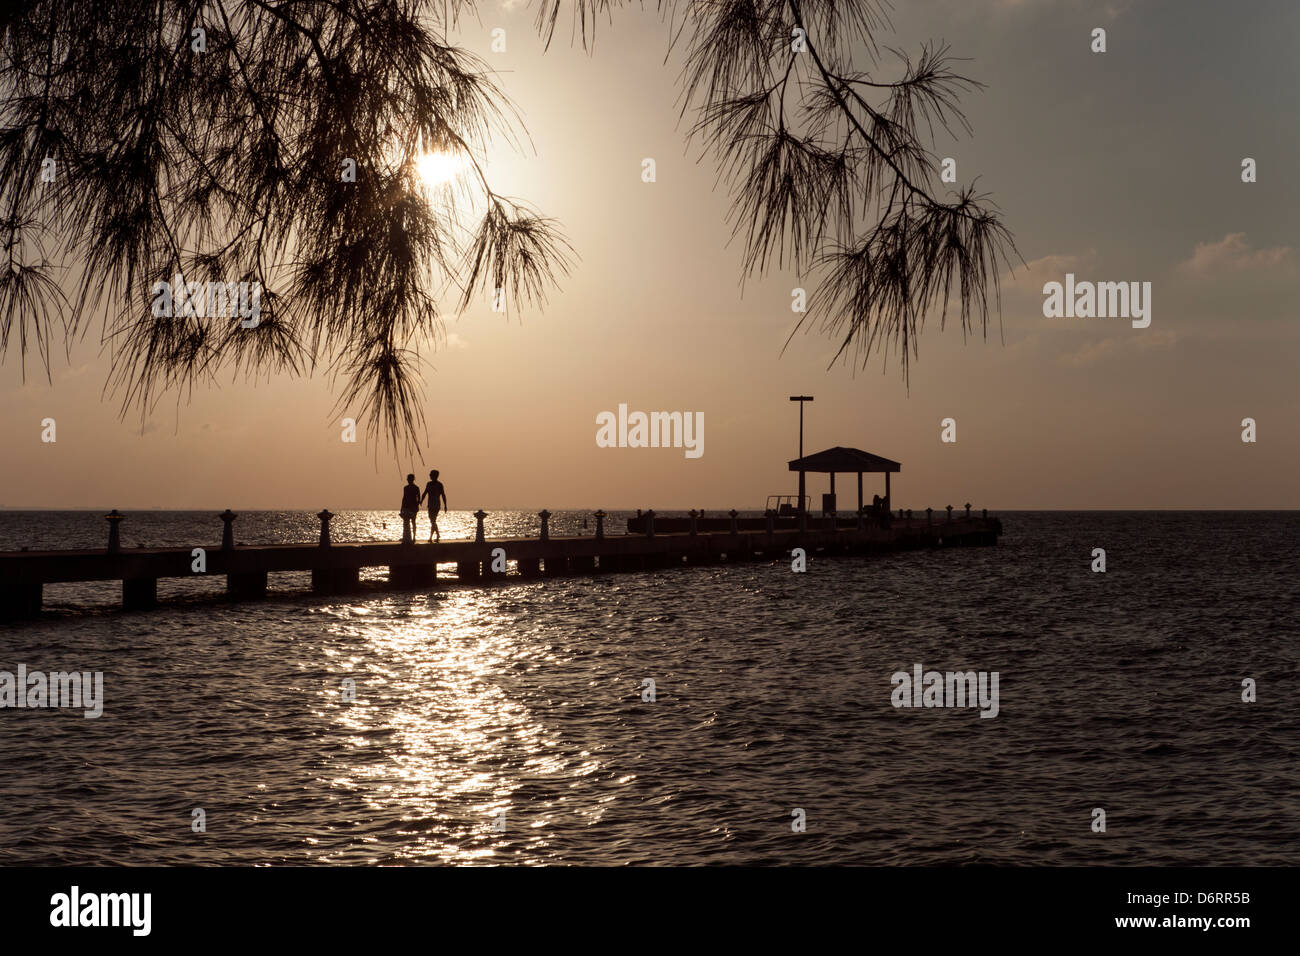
(410, 508)
(433, 491)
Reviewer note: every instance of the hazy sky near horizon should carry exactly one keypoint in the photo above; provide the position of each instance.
(1122, 166)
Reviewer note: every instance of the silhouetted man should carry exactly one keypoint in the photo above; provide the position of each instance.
(433, 491)
(410, 508)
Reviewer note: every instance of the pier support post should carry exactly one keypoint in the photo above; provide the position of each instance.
(139, 594)
(735, 524)
(650, 523)
(529, 567)
(555, 564)
(619, 562)
(546, 524)
(478, 532)
(583, 564)
(246, 584)
(412, 575)
(694, 515)
(227, 531)
(325, 527)
(600, 525)
(468, 570)
(335, 580)
(20, 599)
(114, 537)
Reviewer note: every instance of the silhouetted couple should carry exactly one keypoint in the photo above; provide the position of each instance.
(411, 501)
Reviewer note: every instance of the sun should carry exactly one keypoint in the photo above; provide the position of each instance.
(438, 169)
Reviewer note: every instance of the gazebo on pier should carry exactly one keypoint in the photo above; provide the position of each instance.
(844, 461)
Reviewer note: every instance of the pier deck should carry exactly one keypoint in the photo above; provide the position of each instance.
(336, 568)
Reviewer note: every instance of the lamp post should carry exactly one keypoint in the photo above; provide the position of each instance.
(801, 399)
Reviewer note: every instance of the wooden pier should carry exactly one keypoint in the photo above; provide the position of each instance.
(335, 568)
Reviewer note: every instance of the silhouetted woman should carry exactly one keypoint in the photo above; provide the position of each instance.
(410, 508)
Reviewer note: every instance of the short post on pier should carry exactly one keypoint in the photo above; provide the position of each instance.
(227, 531)
(949, 512)
(546, 524)
(600, 524)
(114, 536)
(650, 523)
(929, 516)
(325, 527)
(694, 515)
(478, 531)
(968, 509)
(735, 525)
(770, 515)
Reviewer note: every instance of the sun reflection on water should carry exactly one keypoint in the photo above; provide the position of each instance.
(433, 735)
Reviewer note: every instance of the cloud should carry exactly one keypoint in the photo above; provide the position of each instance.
(1156, 340)
(1233, 254)
(1089, 354)
(1034, 274)
(454, 341)
(1110, 11)
(1109, 348)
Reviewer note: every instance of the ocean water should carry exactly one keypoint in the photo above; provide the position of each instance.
(1120, 691)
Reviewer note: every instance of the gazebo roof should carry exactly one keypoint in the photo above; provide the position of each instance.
(843, 460)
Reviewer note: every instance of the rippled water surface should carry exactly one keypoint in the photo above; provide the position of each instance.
(1119, 690)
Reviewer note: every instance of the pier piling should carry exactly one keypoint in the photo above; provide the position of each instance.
(139, 594)
(246, 585)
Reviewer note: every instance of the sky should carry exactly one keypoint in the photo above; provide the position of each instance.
(1118, 166)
